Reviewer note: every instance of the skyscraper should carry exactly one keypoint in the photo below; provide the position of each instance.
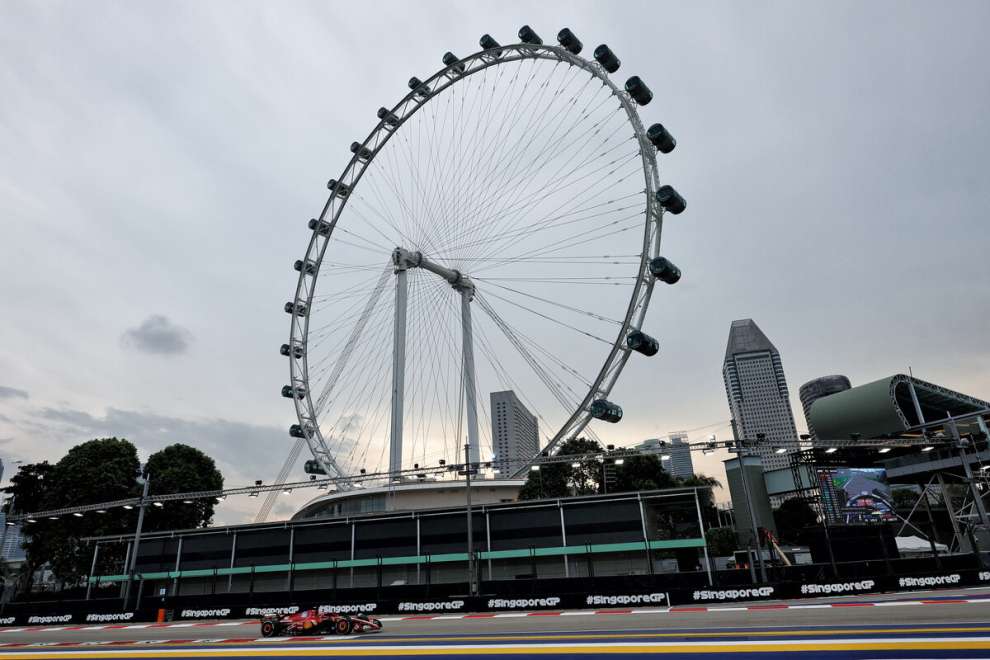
(515, 432)
(680, 464)
(757, 393)
(817, 389)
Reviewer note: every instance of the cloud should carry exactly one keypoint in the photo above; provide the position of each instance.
(243, 452)
(12, 393)
(159, 336)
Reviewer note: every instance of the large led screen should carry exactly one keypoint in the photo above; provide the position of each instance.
(861, 495)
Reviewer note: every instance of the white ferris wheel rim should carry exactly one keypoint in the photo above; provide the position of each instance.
(406, 108)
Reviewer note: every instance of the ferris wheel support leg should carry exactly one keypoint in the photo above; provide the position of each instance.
(398, 370)
(470, 393)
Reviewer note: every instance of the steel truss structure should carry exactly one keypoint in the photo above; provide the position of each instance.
(312, 395)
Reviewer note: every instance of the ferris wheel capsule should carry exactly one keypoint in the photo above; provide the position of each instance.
(608, 60)
(290, 392)
(363, 153)
(419, 87)
(291, 351)
(605, 410)
(569, 41)
(664, 270)
(339, 188)
(344, 382)
(528, 36)
(309, 267)
(297, 309)
(671, 200)
(320, 226)
(638, 90)
(453, 62)
(297, 431)
(489, 43)
(661, 138)
(641, 342)
(389, 117)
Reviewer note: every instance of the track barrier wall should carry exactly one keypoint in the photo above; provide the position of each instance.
(641, 591)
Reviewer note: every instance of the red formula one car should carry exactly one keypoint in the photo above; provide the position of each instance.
(314, 622)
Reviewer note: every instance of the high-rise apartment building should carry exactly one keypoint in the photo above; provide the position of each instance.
(680, 464)
(757, 393)
(515, 432)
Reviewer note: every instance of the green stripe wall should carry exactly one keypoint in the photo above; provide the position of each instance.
(569, 550)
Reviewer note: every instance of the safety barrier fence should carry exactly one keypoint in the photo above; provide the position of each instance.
(536, 594)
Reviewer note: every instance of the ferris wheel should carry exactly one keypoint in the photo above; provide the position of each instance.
(498, 229)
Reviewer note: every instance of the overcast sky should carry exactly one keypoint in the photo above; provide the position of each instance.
(158, 162)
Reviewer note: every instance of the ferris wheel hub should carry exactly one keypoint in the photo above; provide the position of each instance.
(404, 259)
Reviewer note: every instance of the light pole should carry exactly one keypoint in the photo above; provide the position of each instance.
(472, 575)
(146, 479)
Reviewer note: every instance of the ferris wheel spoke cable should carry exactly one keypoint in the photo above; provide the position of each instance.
(335, 359)
(534, 364)
(576, 310)
(355, 336)
(375, 387)
(520, 208)
(514, 179)
(507, 382)
(407, 213)
(511, 198)
(490, 176)
(505, 172)
(536, 251)
(541, 224)
(549, 318)
(522, 187)
(518, 212)
(499, 162)
(374, 365)
(509, 332)
(423, 359)
(530, 231)
(496, 167)
(557, 360)
(478, 137)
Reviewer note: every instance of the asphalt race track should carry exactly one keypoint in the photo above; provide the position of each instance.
(942, 624)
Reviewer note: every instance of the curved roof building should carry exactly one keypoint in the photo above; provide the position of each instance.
(887, 407)
(817, 389)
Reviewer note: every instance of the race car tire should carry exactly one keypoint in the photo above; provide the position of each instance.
(343, 627)
(269, 629)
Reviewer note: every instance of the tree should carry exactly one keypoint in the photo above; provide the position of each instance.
(96, 471)
(181, 469)
(792, 517)
(561, 479)
(722, 541)
(105, 470)
(27, 490)
(705, 497)
(641, 473)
